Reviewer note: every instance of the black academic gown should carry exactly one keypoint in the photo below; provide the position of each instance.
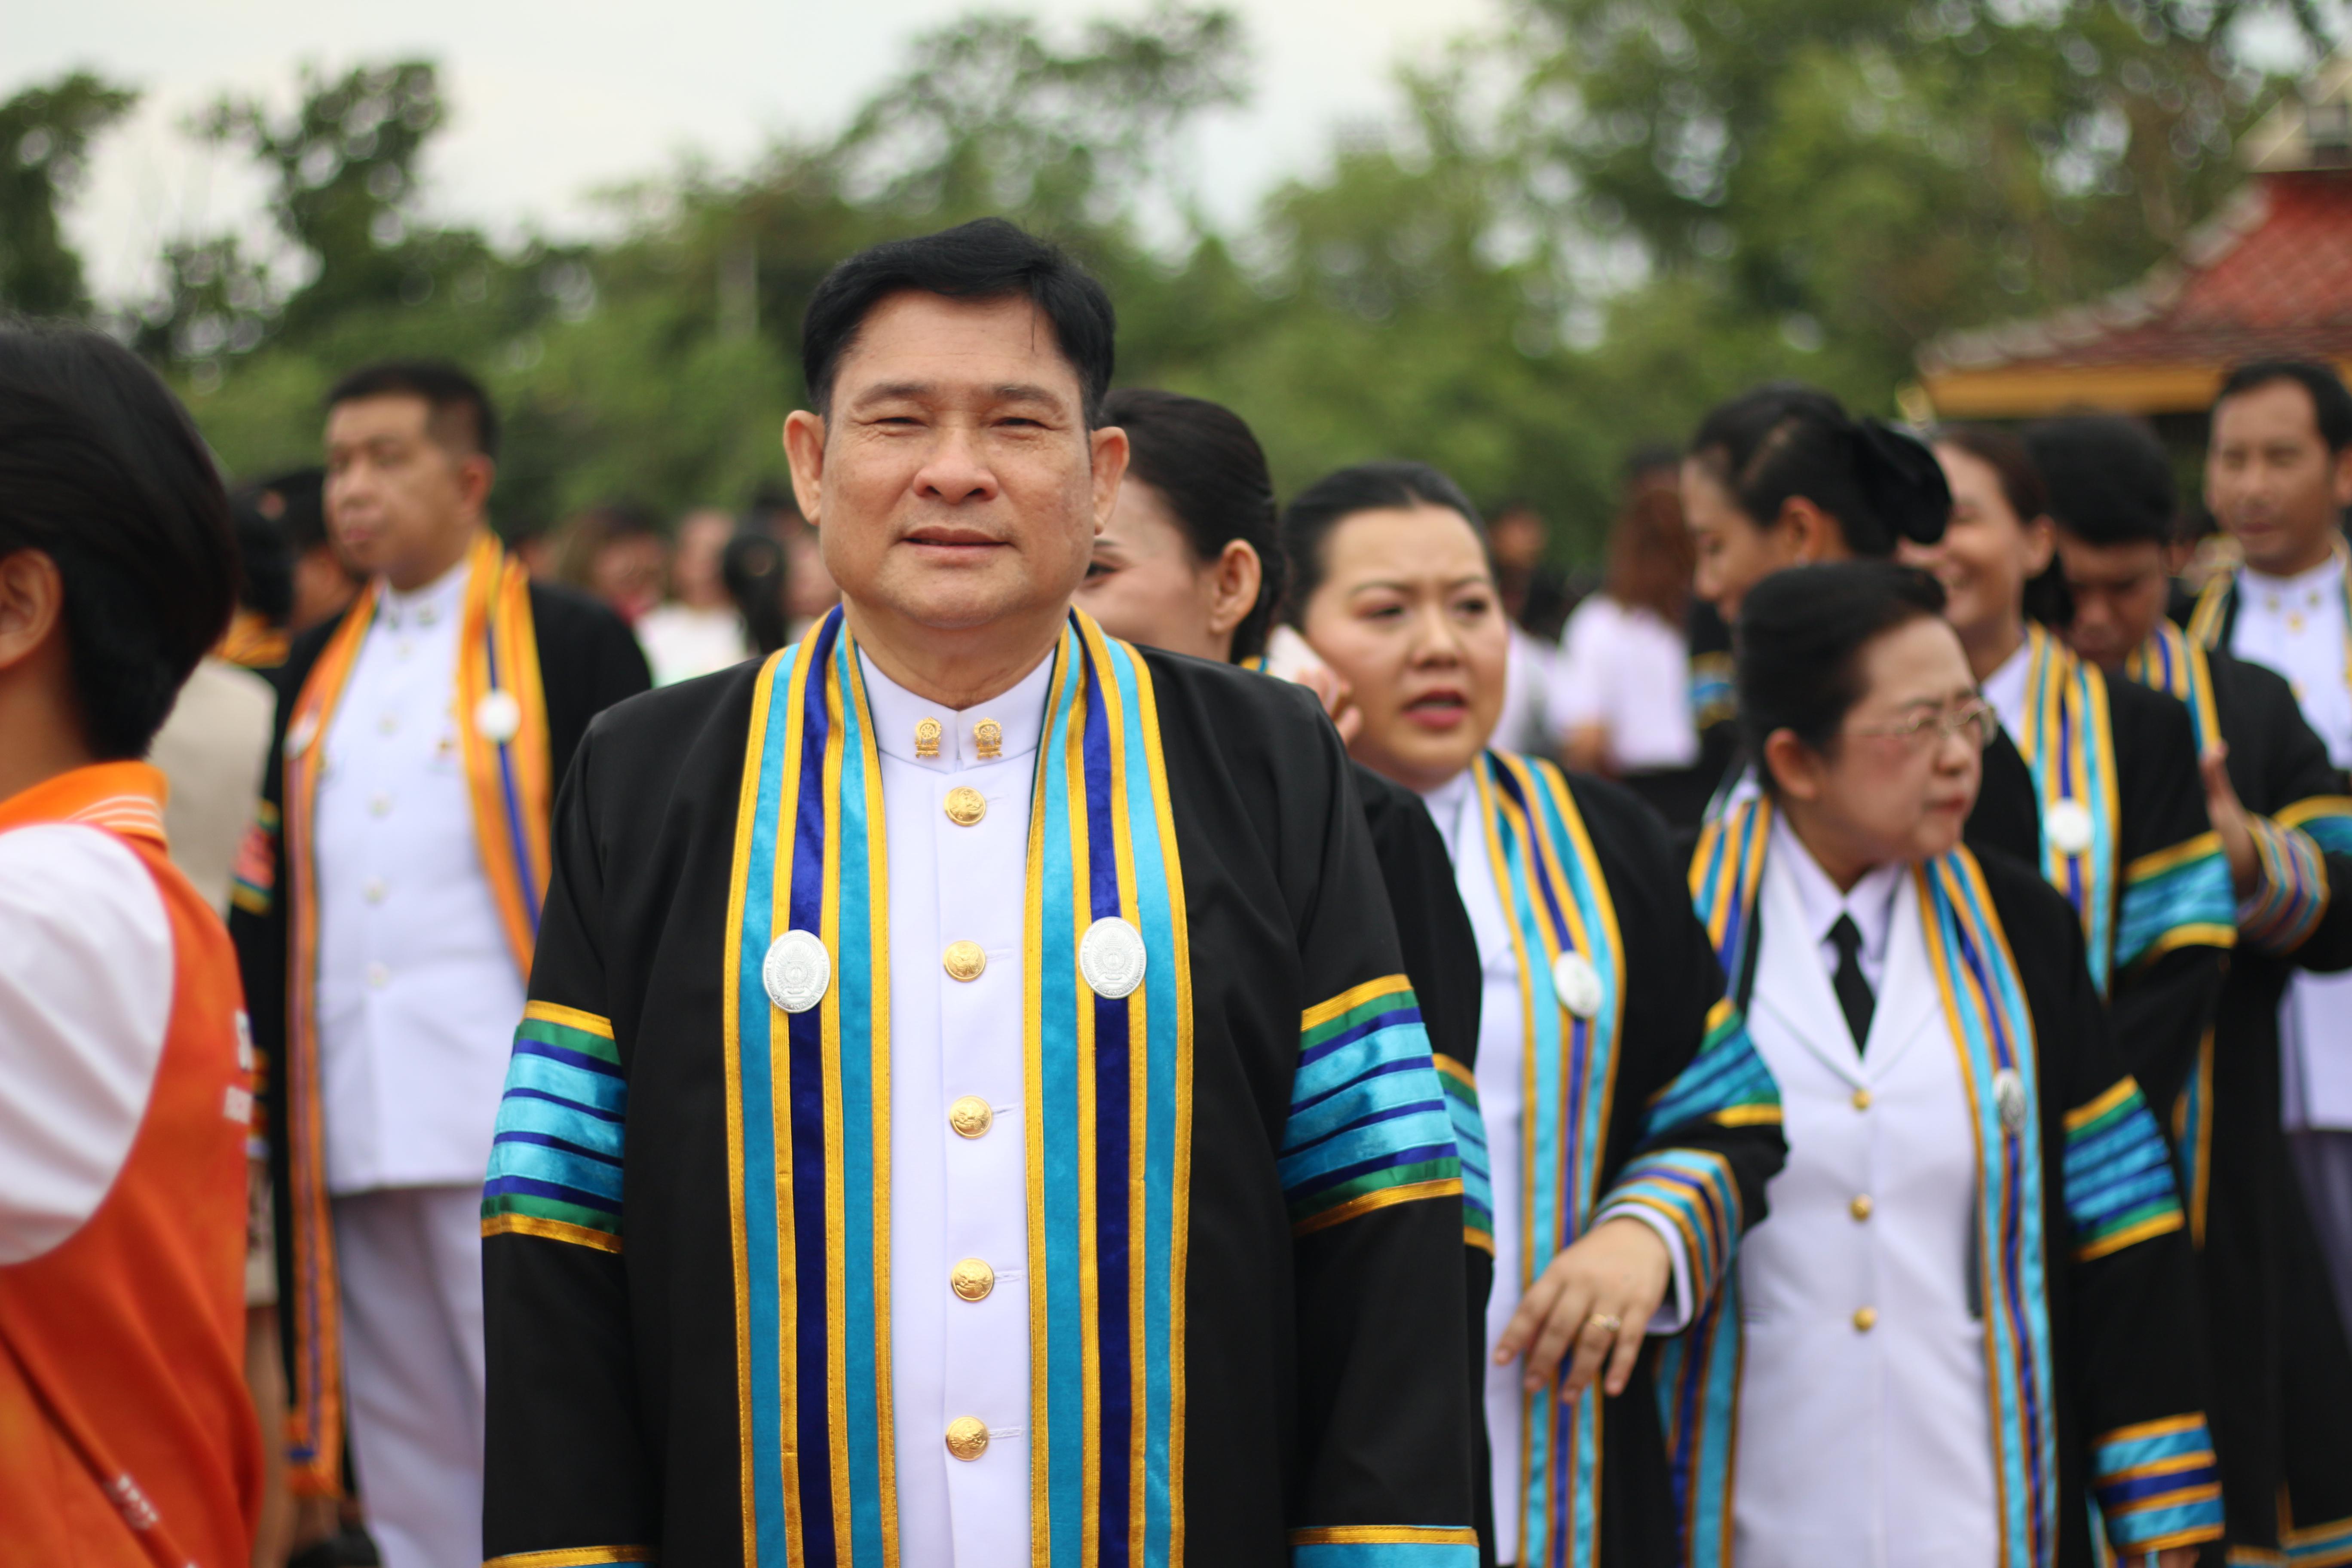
(2282, 1375)
(1322, 1380)
(588, 660)
(2161, 1005)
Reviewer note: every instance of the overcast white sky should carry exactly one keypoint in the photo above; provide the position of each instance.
(554, 97)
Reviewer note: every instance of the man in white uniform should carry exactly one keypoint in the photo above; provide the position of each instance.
(2278, 475)
(417, 740)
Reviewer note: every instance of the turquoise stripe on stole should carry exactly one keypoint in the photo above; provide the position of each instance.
(1698, 1370)
(1055, 1133)
(1164, 1073)
(1547, 884)
(1995, 1035)
(861, 884)
(756, 1080)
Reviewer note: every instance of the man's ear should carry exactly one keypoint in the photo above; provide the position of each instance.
(32, 604)
(2342, 487)
(1796, 771)
(804, 450)
(477, 472)
(1107, 453)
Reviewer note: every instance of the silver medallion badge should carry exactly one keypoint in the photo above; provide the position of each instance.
(2069, 827)
(1110, 956)
(1577, 984)
(497, 717)
(797, 971)
(301, 734)
(2009, 1098)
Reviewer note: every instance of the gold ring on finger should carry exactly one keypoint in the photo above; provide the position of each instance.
(1608, 1323)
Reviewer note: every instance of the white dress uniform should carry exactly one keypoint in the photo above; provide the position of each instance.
(956, 826)
(1864, 1433)
(1501, 1055)
(418, 997)
(2295, 625)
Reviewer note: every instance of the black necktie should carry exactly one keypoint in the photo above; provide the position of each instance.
(1852, 989)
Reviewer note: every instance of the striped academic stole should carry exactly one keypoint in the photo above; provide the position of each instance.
(2068, 744)
(1107, 1118)
(502, 728)
(1564, 935)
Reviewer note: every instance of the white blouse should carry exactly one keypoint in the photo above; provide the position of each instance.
(1865, 1435)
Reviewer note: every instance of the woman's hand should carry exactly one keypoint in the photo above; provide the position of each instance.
(1337, 700)
(1598, 1296)
(2230, 819)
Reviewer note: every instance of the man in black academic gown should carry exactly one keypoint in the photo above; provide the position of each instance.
(1197, 1161)
(384, 911)
(2279, 1391)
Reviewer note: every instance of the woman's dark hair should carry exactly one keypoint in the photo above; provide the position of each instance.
(1207, 466)
(1797, 651)
(1774, 442)
(752, 567)
(2110, 481)
(1314, 512)
(102, 470)
(988, 258)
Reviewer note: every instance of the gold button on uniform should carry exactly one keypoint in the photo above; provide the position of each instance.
(1865, 1320)
(1862, 1099)
(972, 1280)
(971, 1116)
(1860, 1207)
(966, 805)
(964, 960)
(967, 1438)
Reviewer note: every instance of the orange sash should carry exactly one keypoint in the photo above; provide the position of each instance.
(501, 712)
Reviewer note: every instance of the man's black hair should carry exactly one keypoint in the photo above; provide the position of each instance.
(461, 416)
(2108, 478)
(264, 560)
(1308, 522)
(988, 258)
(2331, 405)
(102, 470)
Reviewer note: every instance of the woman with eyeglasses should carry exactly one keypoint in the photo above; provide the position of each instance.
(2094, 781)
(1970, 1306)
(1629, 1125)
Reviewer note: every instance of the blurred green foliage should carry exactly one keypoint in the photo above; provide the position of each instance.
(1577, 233)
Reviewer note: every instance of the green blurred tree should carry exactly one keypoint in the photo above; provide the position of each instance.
(45, 137)
(1872, 173)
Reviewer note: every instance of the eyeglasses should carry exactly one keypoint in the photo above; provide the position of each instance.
(1972, 720)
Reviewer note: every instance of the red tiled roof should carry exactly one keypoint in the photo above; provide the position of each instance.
(2270, 276)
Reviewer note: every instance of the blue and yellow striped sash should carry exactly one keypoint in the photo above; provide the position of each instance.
(1107, 1122)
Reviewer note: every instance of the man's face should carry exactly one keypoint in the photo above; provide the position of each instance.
(2119, 594)
(2272, 481)
(954, 482)
(399, 503)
